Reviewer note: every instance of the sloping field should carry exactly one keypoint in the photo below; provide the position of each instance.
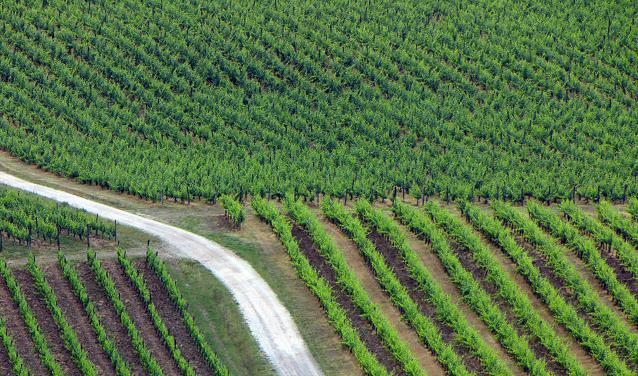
(198, 99)
(565, 308)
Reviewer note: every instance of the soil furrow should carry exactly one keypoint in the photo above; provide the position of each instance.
(366, 331)
(142, 319)
(46, 323)
(173, 319)
(5, 362)
(18, 331)
(109, 319)
(76, 315)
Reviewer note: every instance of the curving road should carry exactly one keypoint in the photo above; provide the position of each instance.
(268, 320)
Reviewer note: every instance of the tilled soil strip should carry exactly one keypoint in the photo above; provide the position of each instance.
(46, 323)
(5, 363)
(19, 332)
(622, 273)
(395, 262)
(109, 318)
(73, 310)
(481, 276)
(540, 261)
(365, 330)
(142, 319)
(173, 319)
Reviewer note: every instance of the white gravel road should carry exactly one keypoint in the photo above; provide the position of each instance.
(268, 320)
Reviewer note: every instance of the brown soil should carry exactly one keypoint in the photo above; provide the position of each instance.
(366, 331)
(141, 318)
(109, 319)
(76, 316)
(46, 323)
(5, 363)
(19, 332)
(395, 262)
(622, 273)
(173, 320)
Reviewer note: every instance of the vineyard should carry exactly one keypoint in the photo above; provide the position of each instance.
(97, 317)
(117, 316)
(360, 187)
(487, 289)
(349, 98)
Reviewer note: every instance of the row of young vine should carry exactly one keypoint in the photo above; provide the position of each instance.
(472, 292)
(349, 283)
(446, 309)
(564, 313)
(606, 321)
(521, 306)
(322, 290)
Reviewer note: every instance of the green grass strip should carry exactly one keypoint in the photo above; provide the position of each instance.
(336, 314)
(446, 310)
(564, 313)
(472, 292)
(602, 316)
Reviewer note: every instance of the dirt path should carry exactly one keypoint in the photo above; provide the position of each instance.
(19, 332)
(79, 321)
(46, 323)
(365, 274)
(269, 321)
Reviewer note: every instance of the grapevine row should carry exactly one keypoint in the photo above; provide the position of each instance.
(601, 315)
(522, 307)
(472, 292)
(564, 313)
(108, 345)
(446, 309)
(336, 314)
(138, 281)
(41, 346)
(70, 338)
(101, 275)
(624, 251)
(162, 273)
(587, 250)
(352, 286)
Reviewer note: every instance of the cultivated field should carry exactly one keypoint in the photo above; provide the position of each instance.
(339, 187)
